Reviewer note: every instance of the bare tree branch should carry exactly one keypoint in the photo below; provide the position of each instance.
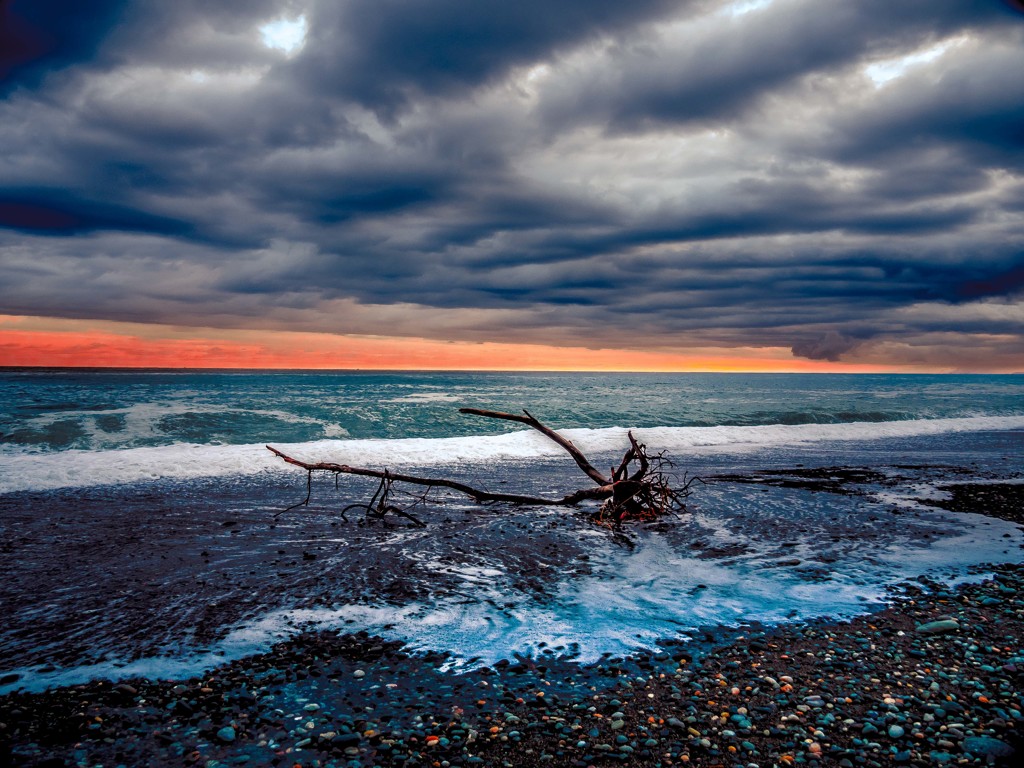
(477, 494)
(581, 460)
(645, 494)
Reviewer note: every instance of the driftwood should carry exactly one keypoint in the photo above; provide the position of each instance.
(641, 494)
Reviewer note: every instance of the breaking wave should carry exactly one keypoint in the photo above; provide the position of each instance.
(24, 470)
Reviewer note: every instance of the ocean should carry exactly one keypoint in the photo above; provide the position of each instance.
(142, 528)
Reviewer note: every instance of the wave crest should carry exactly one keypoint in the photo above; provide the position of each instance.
(21, 470)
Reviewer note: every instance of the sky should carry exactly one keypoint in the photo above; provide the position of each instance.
(652, 185)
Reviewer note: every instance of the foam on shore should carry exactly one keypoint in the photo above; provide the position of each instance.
(634, 599)
(22, 470)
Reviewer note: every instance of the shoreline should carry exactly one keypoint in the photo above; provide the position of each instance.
(872, 691)
(876, 690)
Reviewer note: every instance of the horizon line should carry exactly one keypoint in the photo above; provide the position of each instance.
(228, 369)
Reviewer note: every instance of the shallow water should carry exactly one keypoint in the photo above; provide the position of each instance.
(172, 575)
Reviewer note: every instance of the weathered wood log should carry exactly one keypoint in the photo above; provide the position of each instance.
(581, 460)
(477, 494)
(644, 494)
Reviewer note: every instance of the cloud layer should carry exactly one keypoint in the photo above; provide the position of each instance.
(845, 182)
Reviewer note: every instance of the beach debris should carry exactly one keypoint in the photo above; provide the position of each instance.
(639, 488)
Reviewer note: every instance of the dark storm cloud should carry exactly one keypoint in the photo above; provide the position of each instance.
(58, 213)
(975, 109)
(385, 53)
(40, 36)
(654, 172)
(728, 69)
(1002, 283)
(830, 346)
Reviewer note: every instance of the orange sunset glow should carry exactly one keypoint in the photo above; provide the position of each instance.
(648, 187)
(77, 343)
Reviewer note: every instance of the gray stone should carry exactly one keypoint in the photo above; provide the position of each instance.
(986, 746)
(227, 734)
(939, 627)
(345, 739)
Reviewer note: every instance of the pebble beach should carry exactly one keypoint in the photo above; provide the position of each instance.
(935, 678)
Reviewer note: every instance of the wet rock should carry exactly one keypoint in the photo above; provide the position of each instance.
(938, 627)
(345, 740)
(226, 734)
(985, 746)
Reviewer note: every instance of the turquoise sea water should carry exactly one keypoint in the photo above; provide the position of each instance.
(51, 410)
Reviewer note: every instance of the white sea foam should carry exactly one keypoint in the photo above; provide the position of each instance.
(21, 470)
(427, 397)
(146, 421)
